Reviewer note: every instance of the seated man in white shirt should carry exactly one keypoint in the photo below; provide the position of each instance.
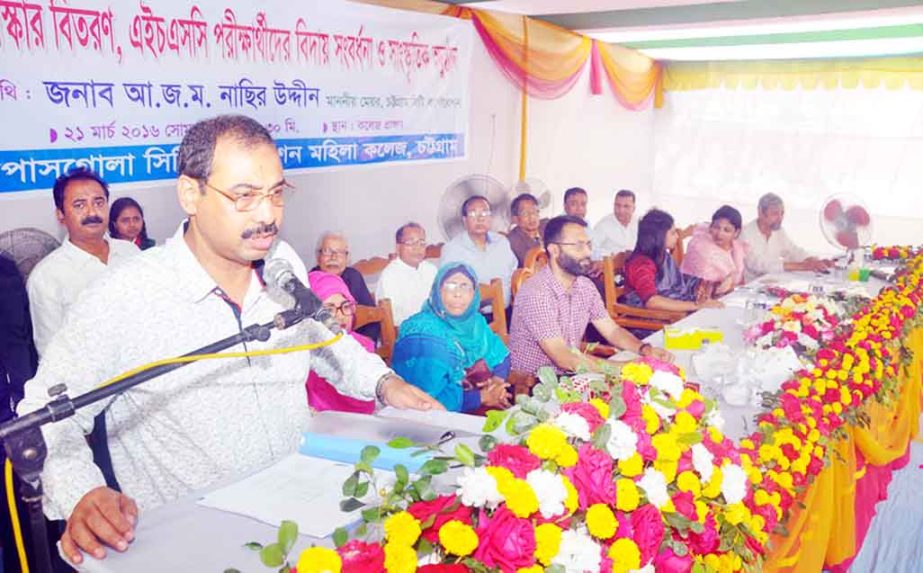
(81, 199)
(211, 420)
(488, 253)
(407, 280)
(618, 231)
(770, 248)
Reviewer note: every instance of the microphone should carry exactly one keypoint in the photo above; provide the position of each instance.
(279, 273)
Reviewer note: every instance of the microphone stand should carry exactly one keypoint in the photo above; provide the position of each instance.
(25, 446)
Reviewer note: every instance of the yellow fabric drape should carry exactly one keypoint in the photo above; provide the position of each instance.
(631, 74)
(891, 73)
(824, 532)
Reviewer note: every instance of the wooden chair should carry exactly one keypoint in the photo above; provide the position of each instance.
(372, 266)
(679, 251)
(519, 277)
(381, 313)
(536, 259)
(631, 316)
(492, 294)
(434, 251)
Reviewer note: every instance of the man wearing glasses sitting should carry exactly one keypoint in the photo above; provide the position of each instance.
(488, 253)
(333, 257)
(407, 279)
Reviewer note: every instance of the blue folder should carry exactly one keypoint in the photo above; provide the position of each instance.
(349, 450)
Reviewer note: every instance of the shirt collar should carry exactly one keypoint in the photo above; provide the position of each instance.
(491, 237)
(73, 250)
(557, 289)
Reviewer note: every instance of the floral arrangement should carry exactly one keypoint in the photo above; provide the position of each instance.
(893, 253)
(801, 321)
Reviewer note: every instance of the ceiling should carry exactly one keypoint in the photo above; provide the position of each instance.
(736, 29)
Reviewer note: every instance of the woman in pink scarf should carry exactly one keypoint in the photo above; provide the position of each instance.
(336, 297)
(715, 252)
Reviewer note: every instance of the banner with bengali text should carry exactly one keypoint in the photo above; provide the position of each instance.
(115, 85)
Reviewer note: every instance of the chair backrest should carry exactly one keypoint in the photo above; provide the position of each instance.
(613, 279)
(679, 251)
(434, 251)
(536, 259)
(520, 276)
(492, 294)
(380, 313)
(623, 314)
(372, 266)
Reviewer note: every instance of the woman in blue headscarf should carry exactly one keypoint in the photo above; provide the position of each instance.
(448, 350)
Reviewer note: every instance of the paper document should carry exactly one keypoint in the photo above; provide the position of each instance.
(298, 488)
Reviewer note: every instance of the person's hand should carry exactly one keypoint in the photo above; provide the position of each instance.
(710, 303)
(726, 286)
(496, 395)
(596, 270)
(102, 516)
(398, 393)
(488, 382)
(662, 354)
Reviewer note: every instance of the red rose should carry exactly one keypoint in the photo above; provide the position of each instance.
(708, 541)
(361, 557)
(505, 541)
(647, 526)
(586, 411)
(443, 509)
(592, 477)
(443, 568)
(517, 459)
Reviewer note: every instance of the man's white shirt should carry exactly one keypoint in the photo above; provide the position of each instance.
(611, 237)
(406, 287)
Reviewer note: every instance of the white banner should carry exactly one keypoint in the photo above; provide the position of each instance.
(115, 85)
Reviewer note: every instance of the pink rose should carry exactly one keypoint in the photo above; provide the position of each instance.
(517, 459)
(669, 562)
(360, 557)
(586, 411)
(648, 531)
(685, 505)
(625, 528)
(645, 445)
(443, 568)
(443, 509)
(632, 399)
(592, 477)
(708, 541)
(696, 409)
(506, 541)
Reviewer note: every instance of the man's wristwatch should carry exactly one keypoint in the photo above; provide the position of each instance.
(645, 346)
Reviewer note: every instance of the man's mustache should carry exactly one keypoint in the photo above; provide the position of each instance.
(92, 220)
(263, 229)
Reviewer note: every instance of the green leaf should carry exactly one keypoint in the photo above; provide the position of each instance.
(617, 407)
(424, 547)
(464, 455)
(363, 467)
(494, 419)
(369, 453)
(487, 443)
(546, 375)
(696, 527)
(401, 443)
(434, 467)
(601, 436)
(400, 470)
(351, 504)
(350, 485)
(288, 533)
(555, 569)
(690, 439)
(340, 536)
(363, 489)
(272, 555)
(424, 488)
(698, 567)
(371, 514)
(542, 392)
(362, 529)
(253, 546)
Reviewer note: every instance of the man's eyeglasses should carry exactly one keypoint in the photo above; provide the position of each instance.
(250, 200)
(331, 253)
(580, 244)
(345, 308)
(478, 214)
(414, 243)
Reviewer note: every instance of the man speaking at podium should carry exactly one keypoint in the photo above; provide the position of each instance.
(212, 419)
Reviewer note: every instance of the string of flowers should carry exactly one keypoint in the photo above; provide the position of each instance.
(801, 321)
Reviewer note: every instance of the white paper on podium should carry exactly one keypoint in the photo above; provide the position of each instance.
(298, 488)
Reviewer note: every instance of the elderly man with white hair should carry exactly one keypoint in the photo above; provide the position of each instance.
(333, 257)
(770, 248)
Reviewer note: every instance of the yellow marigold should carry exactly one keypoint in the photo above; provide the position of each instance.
(600, 521)
(501, 475)
(458, 538)
(701, 511)
(684, 423)
(567, 457)
(633, 466)
(520, 497)
(667, 447)
(715, 434)
(627, 496)
(402, 529)
(573, 499)
(546, 441)
(713, 488)
(756, 477)
(688, 397)
(747, 443)
(547, 542)
(532, 569)
(689, 481)
(736, 513)
(400, 558)
(601, 406)
(651, 419)
(668, 468)
(319, 560)
(757, 523)
(625, 555)
(637, 372)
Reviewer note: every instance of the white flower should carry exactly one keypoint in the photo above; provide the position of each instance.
(578, 552)
(573, 425)
(714, 418)
(734, 484)
(665, 412)
(623, 442)
(477, 488)
(667, 382)
(550, 491)
(649, 568)
(703, 462)
(654, 485)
